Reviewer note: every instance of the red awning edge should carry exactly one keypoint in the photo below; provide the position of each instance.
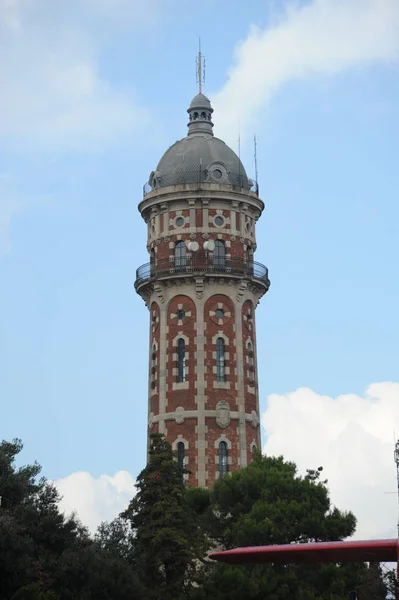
(318, 552)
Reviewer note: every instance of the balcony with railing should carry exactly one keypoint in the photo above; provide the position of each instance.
(182, 267)
(198, 177)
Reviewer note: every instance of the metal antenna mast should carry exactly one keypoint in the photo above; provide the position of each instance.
(200, 68)
(256, 161)
(239, 152)
(396, 459)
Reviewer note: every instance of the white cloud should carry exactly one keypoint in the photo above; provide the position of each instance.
(52, 92)
(352, 437)
(322, 37)
(95, 499)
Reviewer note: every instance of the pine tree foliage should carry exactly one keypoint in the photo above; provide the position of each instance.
(156, 549)
(45, 555)
(168, 540)
(268, 503)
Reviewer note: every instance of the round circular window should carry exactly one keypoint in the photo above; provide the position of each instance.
(219, 313)
(180, 314)
(219, 221)
(217, 174)
(248, 226)
(179, 222)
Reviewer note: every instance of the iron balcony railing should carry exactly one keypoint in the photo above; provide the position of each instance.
(237, 267)
(197, 176)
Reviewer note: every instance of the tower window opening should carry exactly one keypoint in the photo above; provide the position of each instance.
(250, 361)
(219, 254)
(220, 360)
(249, 257)
(180, 314)
(253, 450)
(180, 454)
(152, 259)
(203, 115)
(181, 360)
(223, 462)
(180, 255)
(153, 367)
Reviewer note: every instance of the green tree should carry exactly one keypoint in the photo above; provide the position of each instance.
(45, 555)
(267, 503)
(168, 541)
(117, 537)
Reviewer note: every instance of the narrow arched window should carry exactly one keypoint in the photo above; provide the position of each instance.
(180, 454)
(223, 459)
(153, 366)
(249, 259)
(180, 255)
(152, 260)
(220, 360)
(249, 255)
(181, 360)
(250, 361)
(219, 254)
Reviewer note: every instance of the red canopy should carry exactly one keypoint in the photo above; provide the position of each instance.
(354, 551)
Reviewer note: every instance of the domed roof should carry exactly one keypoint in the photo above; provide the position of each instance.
(200, 157)
(201, 100)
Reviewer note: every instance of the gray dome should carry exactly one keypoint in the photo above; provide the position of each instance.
(200, 157)
(199, 101)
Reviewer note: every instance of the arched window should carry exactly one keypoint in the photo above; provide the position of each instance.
(223, 462)
(181, 360)
(220, 370)
(180, 255)
(250, 361)
(249, 255)
(219, 255)
(249, 259)
(153, 367)
(180, 454)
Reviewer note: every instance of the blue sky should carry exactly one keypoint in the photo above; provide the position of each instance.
(92, 93)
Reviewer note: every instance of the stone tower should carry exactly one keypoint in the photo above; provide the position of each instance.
(201, 287)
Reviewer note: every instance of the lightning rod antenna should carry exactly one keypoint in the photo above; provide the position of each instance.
(396, 459)
(239, 153)
(256, 160)
(200, 68)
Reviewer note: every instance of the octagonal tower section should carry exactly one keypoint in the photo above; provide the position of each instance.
(202, 286)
